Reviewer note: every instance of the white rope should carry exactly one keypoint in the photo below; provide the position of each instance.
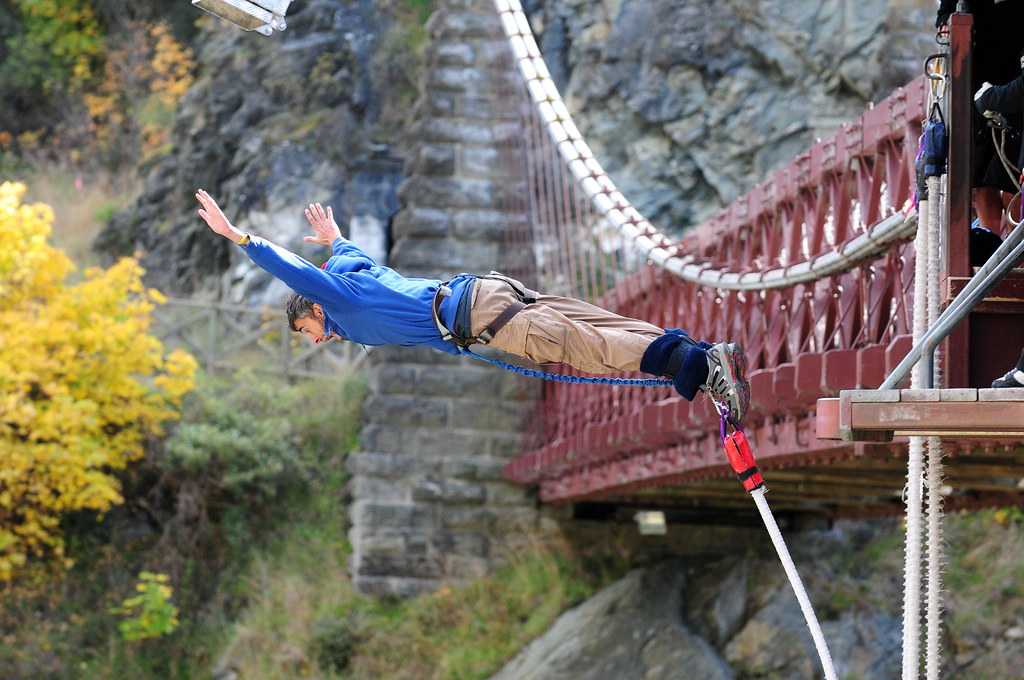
(633, 227)
(912, 548)
(933, 595)
(794, 580)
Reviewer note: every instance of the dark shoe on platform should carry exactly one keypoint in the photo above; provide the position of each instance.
(727, 381)
(1014, 378)
(982, 243)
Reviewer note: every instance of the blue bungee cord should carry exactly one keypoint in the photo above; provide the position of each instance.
(572, 379)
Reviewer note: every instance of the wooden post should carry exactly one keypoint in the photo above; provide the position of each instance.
(286, 350)
(211, 341)
(955, 242)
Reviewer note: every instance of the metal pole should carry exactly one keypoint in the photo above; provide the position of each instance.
(211, 339)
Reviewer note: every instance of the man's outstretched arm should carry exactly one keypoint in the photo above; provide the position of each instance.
(298, 274)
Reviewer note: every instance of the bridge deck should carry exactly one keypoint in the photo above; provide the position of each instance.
(869, 484)
(878, 415)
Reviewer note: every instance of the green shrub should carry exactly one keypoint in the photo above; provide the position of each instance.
(248, 438)
(149, 614)
(399, 60)
(333, 643)
(105, 212)
(195, 514)
(59, 45)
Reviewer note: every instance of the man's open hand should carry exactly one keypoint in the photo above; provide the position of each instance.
(325, 229)
(214, 217)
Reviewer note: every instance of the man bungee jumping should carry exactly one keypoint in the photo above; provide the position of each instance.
(354, 298)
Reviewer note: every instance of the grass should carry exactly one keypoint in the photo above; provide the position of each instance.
(305, 619)
(985, 573)
(267, 592)
(83, 202)
(57, 624)
(469, 632)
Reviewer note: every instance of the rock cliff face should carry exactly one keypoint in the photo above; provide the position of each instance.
(689, 104)
(270, 126)
(732, 618)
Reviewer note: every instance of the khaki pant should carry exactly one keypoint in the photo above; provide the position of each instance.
(562, 330)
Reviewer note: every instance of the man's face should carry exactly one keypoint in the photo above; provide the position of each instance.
(313, 326)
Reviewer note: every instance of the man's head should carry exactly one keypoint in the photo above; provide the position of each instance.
(306, 317)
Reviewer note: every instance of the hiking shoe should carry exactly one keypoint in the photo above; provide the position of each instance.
(727, 382)
(982, 243)
(1014, 378)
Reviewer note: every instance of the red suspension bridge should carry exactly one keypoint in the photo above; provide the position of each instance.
(812, 271)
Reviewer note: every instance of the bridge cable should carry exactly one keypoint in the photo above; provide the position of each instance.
(915, 457)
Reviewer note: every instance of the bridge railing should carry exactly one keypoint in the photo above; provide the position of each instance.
(224, 336)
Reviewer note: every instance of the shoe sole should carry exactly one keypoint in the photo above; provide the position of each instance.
(734, 368)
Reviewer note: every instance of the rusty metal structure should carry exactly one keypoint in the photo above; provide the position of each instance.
(811, 271)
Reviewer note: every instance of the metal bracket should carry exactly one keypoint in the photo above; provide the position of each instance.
(262, 16)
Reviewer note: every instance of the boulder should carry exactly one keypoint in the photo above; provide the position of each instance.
(632, 629)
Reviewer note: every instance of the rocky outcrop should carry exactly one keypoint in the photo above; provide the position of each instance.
(631, 629)
(689, 104)
(270, 126)
(730, 618)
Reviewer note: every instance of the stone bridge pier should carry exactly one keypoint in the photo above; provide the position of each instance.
(429, 500)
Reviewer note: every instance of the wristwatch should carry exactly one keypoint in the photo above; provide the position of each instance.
(245, 240)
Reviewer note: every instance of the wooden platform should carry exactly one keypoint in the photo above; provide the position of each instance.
(879, 415)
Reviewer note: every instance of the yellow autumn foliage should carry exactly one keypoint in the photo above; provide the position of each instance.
(82, 382)
(172, 65)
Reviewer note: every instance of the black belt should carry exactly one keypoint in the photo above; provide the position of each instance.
(461, 335)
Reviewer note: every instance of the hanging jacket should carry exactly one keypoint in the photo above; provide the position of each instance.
(1006, 99)
(363, 301)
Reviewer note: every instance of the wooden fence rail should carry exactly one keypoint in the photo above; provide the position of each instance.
(226, 336)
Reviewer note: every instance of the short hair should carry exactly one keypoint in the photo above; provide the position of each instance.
(297, 307)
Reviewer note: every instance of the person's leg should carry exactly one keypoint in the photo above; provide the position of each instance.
(565, 330)
(989, 206)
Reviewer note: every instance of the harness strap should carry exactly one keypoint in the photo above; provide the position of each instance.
(442, 292)
(525, 295)
(488, 333)
(461, 336)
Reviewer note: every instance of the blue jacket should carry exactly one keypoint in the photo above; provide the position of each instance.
(363, 301)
